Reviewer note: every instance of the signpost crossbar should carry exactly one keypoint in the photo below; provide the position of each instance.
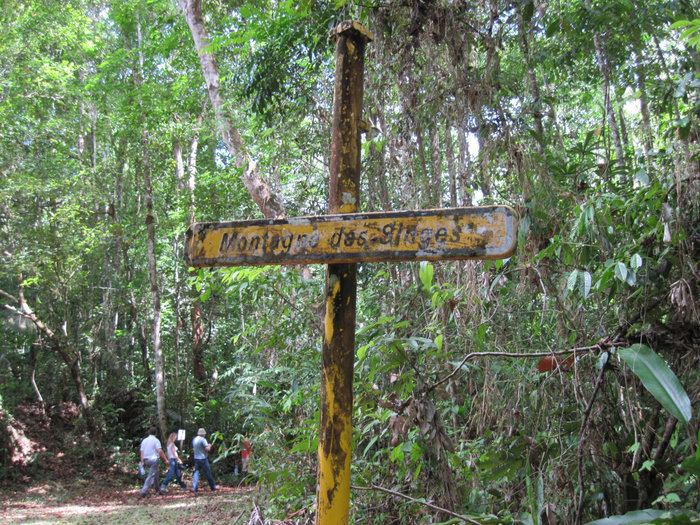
(486, 232)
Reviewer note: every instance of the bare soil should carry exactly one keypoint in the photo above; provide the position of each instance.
(58, 475)
(53, 502)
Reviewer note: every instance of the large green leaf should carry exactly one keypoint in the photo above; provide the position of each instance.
(640, 517)
(426, 275)
(658, 379)
(692, 465)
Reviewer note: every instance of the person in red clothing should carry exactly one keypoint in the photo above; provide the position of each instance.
(245, 454)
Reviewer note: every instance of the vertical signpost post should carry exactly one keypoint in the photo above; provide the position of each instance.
(335, 432)
(341, 240)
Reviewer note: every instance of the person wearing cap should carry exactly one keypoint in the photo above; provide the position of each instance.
(150, 451)
(201, 448)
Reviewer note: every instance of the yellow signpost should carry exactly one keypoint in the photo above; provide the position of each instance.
(486, 232)
(341, 240)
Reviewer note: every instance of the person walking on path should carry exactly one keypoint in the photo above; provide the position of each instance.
(175, 464)
(201, 463)
(151, 452)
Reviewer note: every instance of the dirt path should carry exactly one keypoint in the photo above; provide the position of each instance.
(54, 503)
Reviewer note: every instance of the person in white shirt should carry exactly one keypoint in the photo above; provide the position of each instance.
(151, 452)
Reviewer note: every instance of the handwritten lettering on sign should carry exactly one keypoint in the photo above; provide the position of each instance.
(486, 232)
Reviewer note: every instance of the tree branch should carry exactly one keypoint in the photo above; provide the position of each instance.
(9, 296)
(260, 191)
(586, 414)
(424, 503)
(597, 346)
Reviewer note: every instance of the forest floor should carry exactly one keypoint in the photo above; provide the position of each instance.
(79, 503)
(58, 475)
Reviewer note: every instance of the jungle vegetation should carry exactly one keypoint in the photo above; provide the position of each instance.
(560, 385)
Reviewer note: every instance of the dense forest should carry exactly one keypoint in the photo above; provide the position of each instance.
(560, 385)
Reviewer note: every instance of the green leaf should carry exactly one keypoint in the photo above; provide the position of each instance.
(647, 465)
(426, 275)
(571, 281)
(692, 465)
(658, 379)
(305, 445)
(362, 352)
(621, 271)
(641, 517)
(636, 261)
(642, 177)
(602, 360)
(397, 454)
(688, 32)
(585, 286)
(604, 278)
(438, 342)
(680, 23)
(671, 497)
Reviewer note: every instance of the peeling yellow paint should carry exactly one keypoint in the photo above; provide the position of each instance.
(330, 311)
(334, 459)
(487, 232)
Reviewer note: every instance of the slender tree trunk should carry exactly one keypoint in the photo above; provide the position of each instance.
(552, 113)
(152, 268)
(450, 157)
(260, 191)
(192, 166)
(179, 164)
(623, 124)
(33, 356)
(532, 81)
(463, 166)
(604, 68)
(181, 184)
(644, 109)
(387, 151)
(155, 293)
(422, 166)
(198, 369)
(435, 168)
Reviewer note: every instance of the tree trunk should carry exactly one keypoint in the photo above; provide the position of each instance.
(152, 268)
(450, 157)
(423, 166)
(644, 109)
(269, 203)
(435, 169)
(198, 371)
(155, 294)
(604, 67)
(61, 348)
(33, 358)
(534, 87)
(463, 166)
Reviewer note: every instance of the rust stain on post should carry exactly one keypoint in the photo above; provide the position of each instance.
(335, 432)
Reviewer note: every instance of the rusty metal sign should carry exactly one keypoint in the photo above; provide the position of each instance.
(485, 232)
